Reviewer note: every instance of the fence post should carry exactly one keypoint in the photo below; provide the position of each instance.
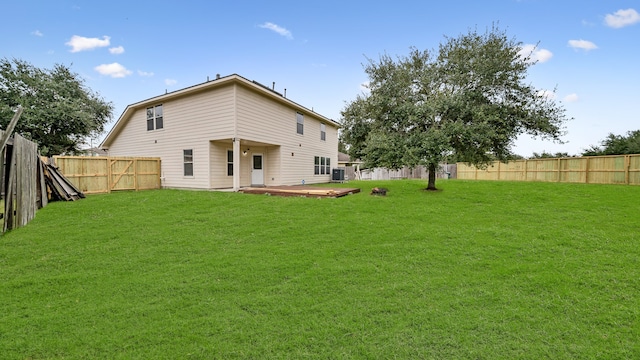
(135, 174)
(627, 165)
(586, 171)
(109, 176)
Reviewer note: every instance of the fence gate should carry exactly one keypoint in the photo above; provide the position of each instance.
(122, 174)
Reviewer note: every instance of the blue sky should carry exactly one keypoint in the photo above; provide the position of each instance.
(129, 51)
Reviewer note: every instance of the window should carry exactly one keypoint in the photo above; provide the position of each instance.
(323, 132)
(300, 121)
(321, 165)
(229, 162)
(154, 118)
(188, 162)
(150, 119)
(257, 162)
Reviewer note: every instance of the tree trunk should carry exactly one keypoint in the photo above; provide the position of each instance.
(432, 177)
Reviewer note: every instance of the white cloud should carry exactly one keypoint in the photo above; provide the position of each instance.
(622, 18)
(571, 98)
(535, 54)
(81, 43)
(114, 70)
(144, 73)
(170, 82)
(582, 44)
(116, 50)
(37, 33)
(278, 29)
(547, 94)
(588, 23)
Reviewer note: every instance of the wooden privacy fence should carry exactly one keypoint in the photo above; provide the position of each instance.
(103, 174)
(444, 171)
(615, 169)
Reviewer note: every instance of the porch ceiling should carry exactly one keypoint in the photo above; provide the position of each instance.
(244, 142)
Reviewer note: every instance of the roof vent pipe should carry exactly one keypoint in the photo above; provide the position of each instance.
(217, 76)
(285, 92)
(273, 86)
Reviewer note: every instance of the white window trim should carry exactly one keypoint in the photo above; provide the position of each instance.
(299, 116)
(324, 165)
(229, 162)
(185, 162)
(155, 117)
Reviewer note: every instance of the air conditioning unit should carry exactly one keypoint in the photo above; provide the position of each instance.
(337, 174)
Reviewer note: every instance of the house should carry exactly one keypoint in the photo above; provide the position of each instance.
(344, 160)
(228, 133)
(94, 151)
(352, 167)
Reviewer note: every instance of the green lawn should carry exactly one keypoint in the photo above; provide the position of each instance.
(479, 270)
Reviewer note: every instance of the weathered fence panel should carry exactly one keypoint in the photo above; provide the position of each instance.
(103, 174)
(615, 169)
(23, 191)
(26, 160)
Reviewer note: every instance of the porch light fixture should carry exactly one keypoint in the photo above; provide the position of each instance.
(245, 152)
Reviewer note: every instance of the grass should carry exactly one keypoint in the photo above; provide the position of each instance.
(479, 270)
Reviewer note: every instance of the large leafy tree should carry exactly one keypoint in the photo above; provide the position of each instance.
(616, 145)
(469, 100)
(60, 112)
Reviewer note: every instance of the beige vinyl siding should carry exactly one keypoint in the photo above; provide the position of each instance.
(262, 119)
(218, 165)
(272, 163)
(189, 123)
(300, 166)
